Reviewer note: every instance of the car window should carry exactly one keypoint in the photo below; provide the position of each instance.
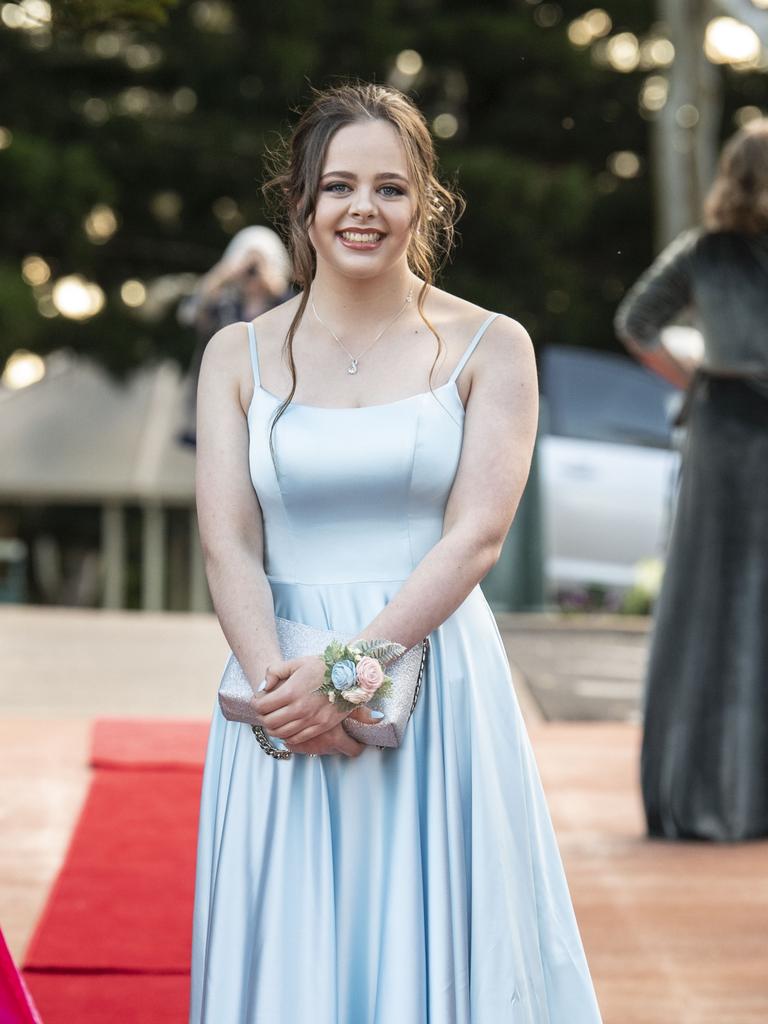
(600, 396)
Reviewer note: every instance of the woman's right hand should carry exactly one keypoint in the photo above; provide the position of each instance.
(334, 741)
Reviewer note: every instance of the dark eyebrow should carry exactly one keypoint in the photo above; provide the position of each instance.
(348, 174)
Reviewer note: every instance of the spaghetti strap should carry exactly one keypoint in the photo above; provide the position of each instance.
(254, 354)
(471, 347)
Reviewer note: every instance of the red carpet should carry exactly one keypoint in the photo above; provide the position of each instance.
(111, 998)
(113, 942)
(148, 744)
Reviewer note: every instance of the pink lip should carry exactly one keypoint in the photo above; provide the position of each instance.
(360, 246)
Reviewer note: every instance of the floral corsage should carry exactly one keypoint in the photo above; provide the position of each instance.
(354, 673)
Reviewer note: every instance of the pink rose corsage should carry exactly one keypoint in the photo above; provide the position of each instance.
(370, 675)
(354, 673)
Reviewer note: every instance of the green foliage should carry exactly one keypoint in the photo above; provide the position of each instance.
(334, 652)
(117, 107)
(383, 650)
(79, 15)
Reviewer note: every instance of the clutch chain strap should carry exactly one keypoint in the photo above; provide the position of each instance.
(263, 741)
(422, 666)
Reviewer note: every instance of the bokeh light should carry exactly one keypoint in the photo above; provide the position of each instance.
(624, 164)
(653, 95)
(749, 113)
(590, 26)
(29, 15)
(100, 224)
(409, 62)
(35, 270)
(95, 110)
(76, 298)
(135, 100)
(228, 214)
(45, 306)
(166, 206)
(213, 16)
(104, 44)
(728, 41)
(578, 33)
(6, 137)
(598, 22)
(133, 293)
(22, 369)
(445, 126)
(623, 52)
(687, 115)
(660, 52)
(140, 56)
(184, 100)
(548, 15)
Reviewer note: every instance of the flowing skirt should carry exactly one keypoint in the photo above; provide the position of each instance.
(421, 885)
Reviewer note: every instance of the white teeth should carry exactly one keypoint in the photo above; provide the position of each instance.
(356, 236)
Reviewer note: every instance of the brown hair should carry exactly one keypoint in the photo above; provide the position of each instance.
(298, 165)
(738, 198)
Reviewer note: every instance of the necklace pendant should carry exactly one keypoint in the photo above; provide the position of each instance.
(352, 368)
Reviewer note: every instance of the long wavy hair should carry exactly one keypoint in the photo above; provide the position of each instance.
(738, 198)
(296, 166)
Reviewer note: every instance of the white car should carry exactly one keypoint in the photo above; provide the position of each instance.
(608, 467)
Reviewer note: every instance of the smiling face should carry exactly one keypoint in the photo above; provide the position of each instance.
(366, 201)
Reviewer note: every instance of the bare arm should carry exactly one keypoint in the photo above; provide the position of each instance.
(231, 528)
(499, 434)
(229, 515)
(662, 361)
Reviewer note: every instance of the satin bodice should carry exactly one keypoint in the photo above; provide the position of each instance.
(359, 494)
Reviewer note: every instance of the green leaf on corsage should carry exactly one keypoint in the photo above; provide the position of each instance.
(384, 650)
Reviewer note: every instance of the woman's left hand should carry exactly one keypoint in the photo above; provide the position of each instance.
(294, 710)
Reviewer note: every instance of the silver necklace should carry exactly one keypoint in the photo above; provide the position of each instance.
(352, 368)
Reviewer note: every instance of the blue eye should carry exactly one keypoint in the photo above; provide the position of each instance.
(341, 188)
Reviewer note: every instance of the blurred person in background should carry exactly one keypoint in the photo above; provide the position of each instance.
(704, 762)
(252, 276)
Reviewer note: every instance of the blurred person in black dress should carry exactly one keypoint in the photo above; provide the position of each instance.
(704, 763)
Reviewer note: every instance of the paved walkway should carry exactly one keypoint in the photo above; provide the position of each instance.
(675, 933)
(579, 668)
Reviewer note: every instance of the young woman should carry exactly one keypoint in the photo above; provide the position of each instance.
(362, 450)
(705, 742)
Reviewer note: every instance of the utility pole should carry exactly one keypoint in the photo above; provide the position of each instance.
(685, 137)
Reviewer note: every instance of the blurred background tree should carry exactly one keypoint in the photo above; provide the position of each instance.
(133, 132)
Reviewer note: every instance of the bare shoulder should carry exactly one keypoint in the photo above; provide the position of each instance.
(505, 351)
(226, 364)
(504, 387)
(225, 347)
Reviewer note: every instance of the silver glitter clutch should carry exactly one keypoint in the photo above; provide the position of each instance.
(297, 640)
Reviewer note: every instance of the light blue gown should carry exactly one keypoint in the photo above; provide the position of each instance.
(421, 885)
